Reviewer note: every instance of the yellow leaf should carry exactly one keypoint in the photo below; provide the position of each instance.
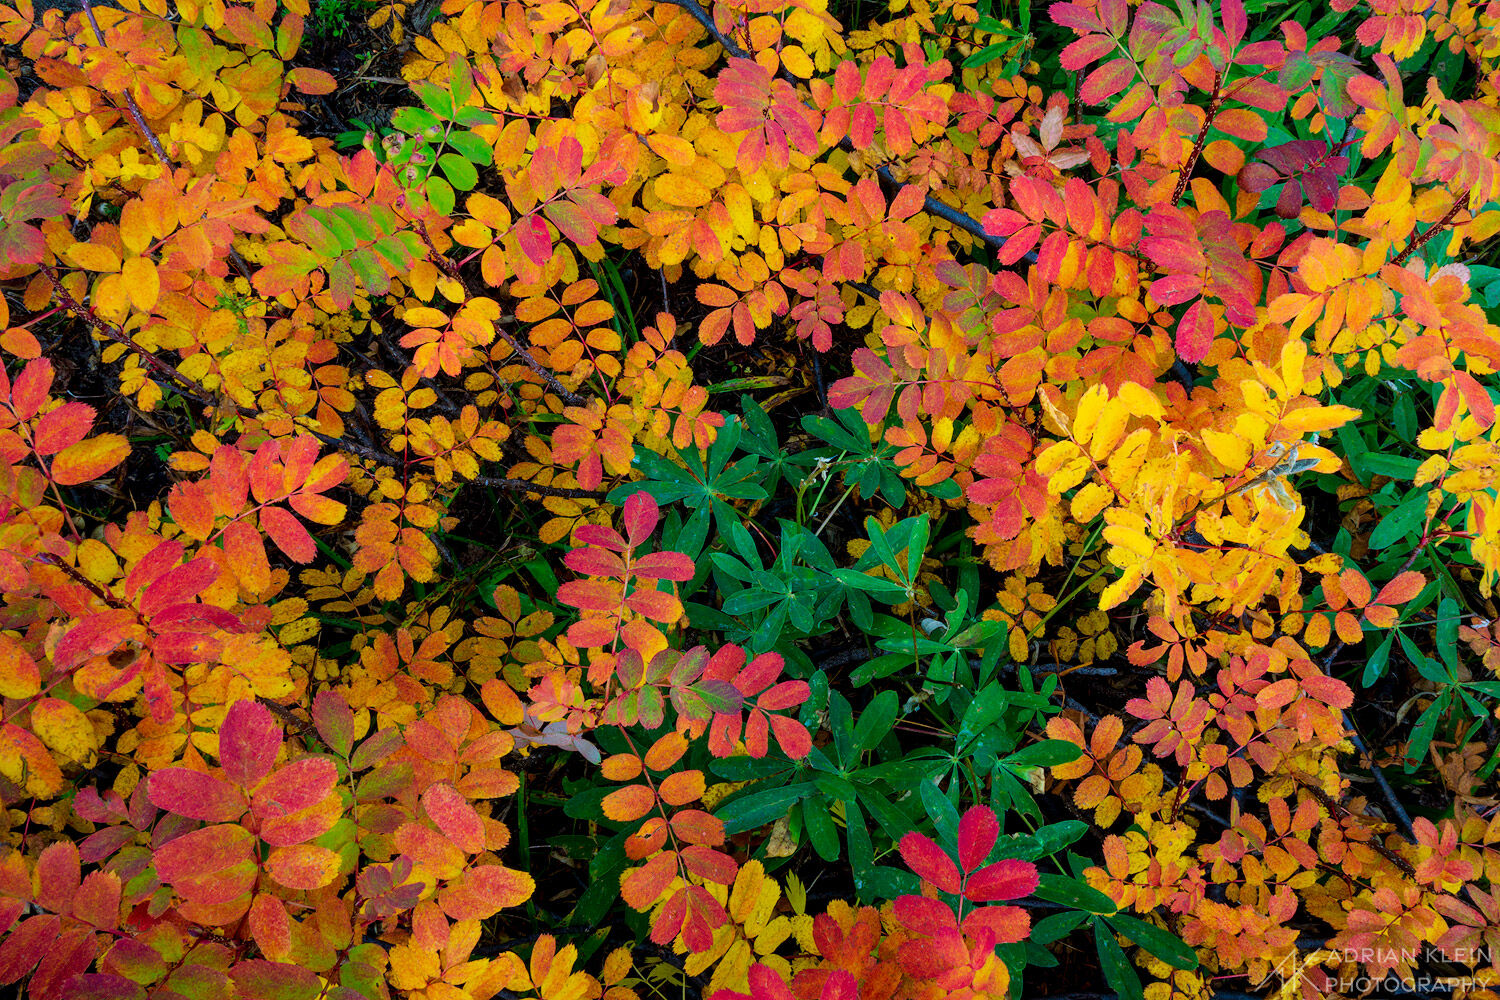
(19, 677)
(1318, 418)
(1139, 400)
(1109, 429)
(674, 149)
(413, 968)
(1230, 449)
(142, 284)
(65, 730)
(681, 191)
(93, 257)
(1089, 501)
(1089, 408)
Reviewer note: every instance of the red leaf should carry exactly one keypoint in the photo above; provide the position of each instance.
(300, 784)
(1195, 334)
(923, 856)
(664, 566)
(283, 528)
(977, 832)
(998, 924)
(640, 517)
(641, 887)
(928, 917)
(1009, 879)
(535, 240)
(249, 741)
(455, 817)
(1107, 81)
(195, 795)
(210, 865)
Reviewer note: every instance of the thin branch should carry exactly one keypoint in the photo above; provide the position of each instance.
(523, 486)
(1432, 230)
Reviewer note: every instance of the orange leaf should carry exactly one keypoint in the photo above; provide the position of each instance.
(88, 460)
(681, 788)
(630, 803)
(1401, 588)
(303, 866)
(641, 887)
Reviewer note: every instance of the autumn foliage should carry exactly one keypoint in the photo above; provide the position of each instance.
(368, 571)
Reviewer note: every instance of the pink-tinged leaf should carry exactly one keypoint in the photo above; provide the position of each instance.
(453, 815)
(283, 528)
(923, 856)
(57, 876)
(302, 825)
(594, 561)
(1107, 81)
(97, 901)
(1195, 334)
(590, 595)
(1009, 879)
(640, 517)
(195, 795)
(534, 238)
(1329, 690)
(179, 585)
(208, 865)
(303, 866)
(977, 833)
(928, 917)
(101, 986)
(257, 979)
(1176, 289)
(334, 721)
(26, 945)
(1080, 52)
(664, 566)
(840, 985)
(709, 864)
(249, 741)
(300, 784)
(1076, 16)
(992, 925)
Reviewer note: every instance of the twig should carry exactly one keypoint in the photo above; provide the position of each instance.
(1432, 230)
(523, 486)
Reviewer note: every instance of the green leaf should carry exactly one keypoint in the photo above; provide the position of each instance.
(1163, 944)
(459, 171)
(1118, 971)
(439, 195)
(820, 829)
(876, 720)
(762, 807)
(1047, 753)
(1072, 892)
(942, 812)
(1399, 522)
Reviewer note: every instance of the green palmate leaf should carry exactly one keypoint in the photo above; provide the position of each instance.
(761, 807)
